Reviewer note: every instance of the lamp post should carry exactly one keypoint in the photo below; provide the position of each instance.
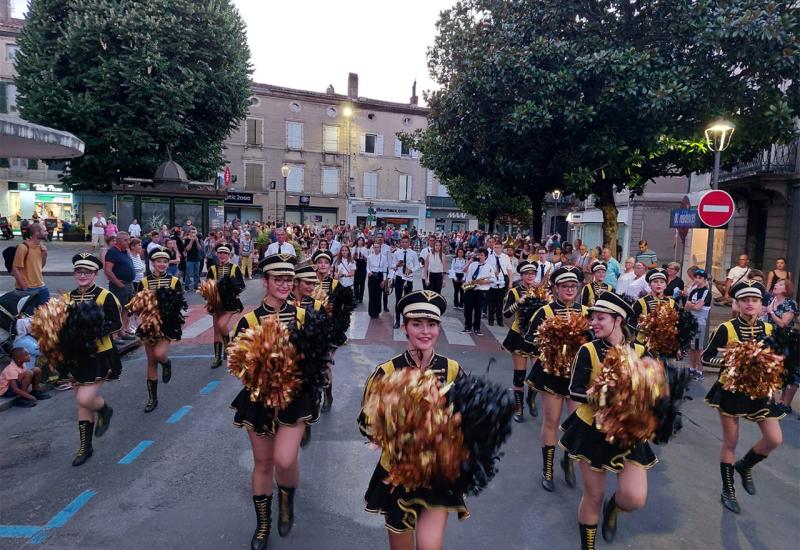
(556, 194)
(718, 137)
(285, 169)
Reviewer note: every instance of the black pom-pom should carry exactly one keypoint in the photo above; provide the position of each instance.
(527, 308)
(667, 410)
(82, 328)
(486, 413)
(228, 294)
(687, 329)
(343, 306)
(171, 304)
(314, 349)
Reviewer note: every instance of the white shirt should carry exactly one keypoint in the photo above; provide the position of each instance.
(434, 264)
(423, 254)
(361, 252)
(98, 230)
(484, 271)
(638, 288)
(411, 265)
(738, 273)
(501, 265)
(343, 269)
(285, 248)
(457, 266)
(624, 281)
(376, 263)
(543, 270)
(135, 230)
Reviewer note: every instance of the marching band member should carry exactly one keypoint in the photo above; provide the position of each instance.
(229, 294)
(592, 290)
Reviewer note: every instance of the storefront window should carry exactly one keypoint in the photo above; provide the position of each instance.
(125, 212)
(188, 209)
(155, 213)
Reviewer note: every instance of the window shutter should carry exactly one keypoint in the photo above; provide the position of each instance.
(363, 143)
(409, 188)
(294, 182)
(414, 154)
(429, 183)
(259, 132)
(398, 147)
(379, 145)
(3, 98)
(370, 185)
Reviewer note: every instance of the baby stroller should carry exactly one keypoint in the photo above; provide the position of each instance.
(12, 305)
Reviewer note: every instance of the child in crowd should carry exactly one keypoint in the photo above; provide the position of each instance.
(16, 380)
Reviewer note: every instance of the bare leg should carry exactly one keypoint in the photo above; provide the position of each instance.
(89, 400)
(152, 371)
(263, 463)
(552, 414)
(430, 529)
(594, 486)
(788, 394)
(632, 487)
(287, 447)
(730, 437)
(401, 541)
(771, 437)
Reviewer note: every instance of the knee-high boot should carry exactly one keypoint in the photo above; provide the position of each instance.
(548, 457)
(217, 355)
(728, 496)
(85, 450)
(745, 469)
(225, 341)
(588, 536)
(569, 470)
(152, 396)
(610, 512)
(285, 510)
(263, 506)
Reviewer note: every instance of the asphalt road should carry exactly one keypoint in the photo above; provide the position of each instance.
(190, 487)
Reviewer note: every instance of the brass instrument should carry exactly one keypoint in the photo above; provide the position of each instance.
(469, 285)
(388, 285)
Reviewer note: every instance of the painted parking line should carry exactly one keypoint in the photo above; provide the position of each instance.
(180, 413)
(38, 534)
(18, 531)
(135, 452)
(208, 388)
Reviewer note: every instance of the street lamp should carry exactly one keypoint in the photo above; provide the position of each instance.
(285, 169)
(718, 137)
(556, 194)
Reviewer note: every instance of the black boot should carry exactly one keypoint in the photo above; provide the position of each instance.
(85, 450)
(217, 355)
(548, 456)
(588, 535)
(103, 420)
(745, 469)
(569, 470)
(610, 511)
(531, 399)
(518, 406)
(263, 504)
(152, 396)
(225, 341)
(285, 510)
(327, 398)
(166, 371)
(306, 436)
(728, 496)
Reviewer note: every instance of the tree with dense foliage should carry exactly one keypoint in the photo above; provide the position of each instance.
(136, 80)
(594, 97)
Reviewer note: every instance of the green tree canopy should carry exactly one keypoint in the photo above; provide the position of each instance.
(136, 80)
(597, 96)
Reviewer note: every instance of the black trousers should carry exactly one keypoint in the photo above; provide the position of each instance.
(375, 291)
(401, 288)
(436, 282)
(359, 280)
(458, 290)
(473, 300)
(495, 304)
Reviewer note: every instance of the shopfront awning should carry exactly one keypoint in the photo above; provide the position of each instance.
(22, 139)
(595, 216)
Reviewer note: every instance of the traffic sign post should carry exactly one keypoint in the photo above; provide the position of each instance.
(716, 208)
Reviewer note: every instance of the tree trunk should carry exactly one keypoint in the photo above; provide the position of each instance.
(492, 219)
(605, 201)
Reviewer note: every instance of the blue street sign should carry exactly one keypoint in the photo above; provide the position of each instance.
(684, 218)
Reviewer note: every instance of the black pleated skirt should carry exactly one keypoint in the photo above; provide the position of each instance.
(105, 365)
(515, 343)
(546, 382)
(262, 420)
(584, 442)
(740, 405)
(402, 508)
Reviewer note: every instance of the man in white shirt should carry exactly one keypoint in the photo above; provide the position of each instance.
(406, 264)
(377, 271)
(386, 252)
(497, 291)
(281, 246)
(333, 245)
(98, 229)
(423, 255)
(638, 287)
(543, 268)
(737, 273)
(627, 277)
(478, 270)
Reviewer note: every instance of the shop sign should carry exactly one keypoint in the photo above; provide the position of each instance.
(305, 200)
(387, 210)
(237, 197)
(47, 187)
(457, 215)
(62, 198)
(216, 214)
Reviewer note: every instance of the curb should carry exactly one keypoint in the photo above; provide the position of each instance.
(8, 402)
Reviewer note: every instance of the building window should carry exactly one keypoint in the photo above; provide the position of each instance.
(294, 181)
(253, 176)
(57, 165)
(370, 185)
(294, 135)
(19, 164)
(8, 98)
(405, 187)
(255, 132)
(11, 52)
(330, 138)
(33, 164)
(4, 163)
(330, 181)
(372, 144)
(401, 149)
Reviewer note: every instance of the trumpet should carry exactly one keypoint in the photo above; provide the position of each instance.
(469, 285)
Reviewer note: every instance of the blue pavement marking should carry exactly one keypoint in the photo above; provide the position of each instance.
(134, 454)
(180, 413)
(37, 534)
(209, 387)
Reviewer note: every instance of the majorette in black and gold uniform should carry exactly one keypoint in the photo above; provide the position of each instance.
(735, 404)
(104, 363)
(401, 508)
(645, 305)
(594, 288)
(582, 440)
(229, 295)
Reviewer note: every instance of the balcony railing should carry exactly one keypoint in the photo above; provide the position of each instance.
(440, 202)
(778, 159)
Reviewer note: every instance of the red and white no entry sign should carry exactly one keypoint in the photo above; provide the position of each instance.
(716, 208)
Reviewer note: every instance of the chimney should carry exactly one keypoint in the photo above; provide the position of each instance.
(414, 98)
(352, 85)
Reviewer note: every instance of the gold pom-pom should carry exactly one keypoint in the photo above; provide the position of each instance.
(540, 293)
(558, 340)
(321, 296)
(409, 418)
(145, 305)
(210, 293)
(660, 329)
(264, 359)
(751, 368)
(626, 392)
(45, 327)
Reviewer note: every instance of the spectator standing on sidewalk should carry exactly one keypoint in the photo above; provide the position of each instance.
(647, 256)
(613, 269)
(29, 261)
(627, 277)
(134, 229)
(120, 273)
(193, 250)
(98, 229)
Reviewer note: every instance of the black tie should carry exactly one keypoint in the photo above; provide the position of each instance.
(405, 254)
(475, 273)
(541, 271)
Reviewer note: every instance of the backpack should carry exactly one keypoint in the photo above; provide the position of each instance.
(8, 256)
